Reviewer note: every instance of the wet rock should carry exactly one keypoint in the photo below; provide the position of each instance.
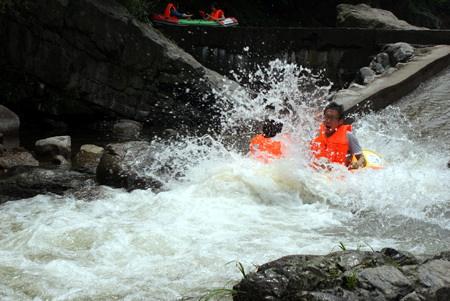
(26, 181)
(88, 158)
(412, 297)
(443, 294)
(347, 275)
(364, 16)
(54, 150)
(365, 76)
(126, 165)
(388, 280)
(9, 127)
(399, 257)
(448, 164)
(435, 274)
(127, 130)
(16, 157)
(399, 52)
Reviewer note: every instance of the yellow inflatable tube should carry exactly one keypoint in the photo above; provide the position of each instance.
(373, 159)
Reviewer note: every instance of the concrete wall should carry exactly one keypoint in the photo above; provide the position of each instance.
(339, 51)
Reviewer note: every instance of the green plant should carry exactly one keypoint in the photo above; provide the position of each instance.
(342, 246)
(241, 269)
(351, 281)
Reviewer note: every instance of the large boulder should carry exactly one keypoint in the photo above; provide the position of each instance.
(364, 16)
(88, 57)
(9, 127)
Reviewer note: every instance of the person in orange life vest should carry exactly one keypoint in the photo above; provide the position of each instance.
(335, 141)
(216, 14)
(263, 147)
(171, 12)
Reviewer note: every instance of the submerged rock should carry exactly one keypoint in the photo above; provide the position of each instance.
(347, 275)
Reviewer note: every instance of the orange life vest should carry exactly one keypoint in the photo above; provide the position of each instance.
(334, 148)
(216, 14)
(169, 7)
(265, 149)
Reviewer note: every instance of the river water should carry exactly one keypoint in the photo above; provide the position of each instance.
(228, 209)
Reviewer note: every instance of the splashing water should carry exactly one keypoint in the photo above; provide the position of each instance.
(220, 207)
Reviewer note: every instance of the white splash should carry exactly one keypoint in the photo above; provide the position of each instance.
(221, 207)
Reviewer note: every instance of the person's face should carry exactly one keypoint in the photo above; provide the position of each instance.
(332, 121)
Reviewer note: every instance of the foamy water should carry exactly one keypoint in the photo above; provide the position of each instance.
(228, 208)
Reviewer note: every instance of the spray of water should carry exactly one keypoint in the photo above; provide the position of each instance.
(221, 206)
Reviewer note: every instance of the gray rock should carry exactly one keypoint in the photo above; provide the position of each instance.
(435, 274)
(54, 150)
(365, 76)
(380, 63)
(126, 165)
(347, 275)
(411, 297)
(364, 16)
(26, 181)
(9, 127)
(88, 158)
(388, 280)
(127, 130)
(16, 157)
(399, 52)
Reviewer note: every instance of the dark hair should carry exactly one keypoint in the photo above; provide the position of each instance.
(271, 128)
(337, 107)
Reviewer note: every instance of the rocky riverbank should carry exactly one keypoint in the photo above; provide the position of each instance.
(349, 275)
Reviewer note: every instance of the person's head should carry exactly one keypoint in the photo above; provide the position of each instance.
(213, 5)
(333, 117)
(271, 128)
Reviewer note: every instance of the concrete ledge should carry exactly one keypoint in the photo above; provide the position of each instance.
(389, 88)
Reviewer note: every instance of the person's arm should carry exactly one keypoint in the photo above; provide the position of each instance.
(355, 150)
(177, 14)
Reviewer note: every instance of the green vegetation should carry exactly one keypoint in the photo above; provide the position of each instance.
(351, 281)
(342, 246)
